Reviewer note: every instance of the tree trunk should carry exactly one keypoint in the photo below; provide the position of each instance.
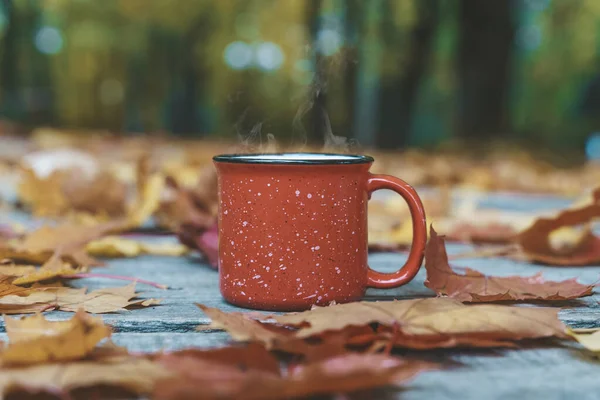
(399, 95)
(486, 35)
(316, 116)
(10, 99)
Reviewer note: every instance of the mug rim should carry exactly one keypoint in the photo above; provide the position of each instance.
(294, 158)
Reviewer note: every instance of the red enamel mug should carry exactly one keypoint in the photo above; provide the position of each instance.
(293, 229)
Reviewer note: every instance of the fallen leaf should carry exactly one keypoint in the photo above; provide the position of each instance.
(191, 214)
(242, 328)
(7, 288)
(16, 270)
(474, 286)
(115, 246)
(492, 232)
(42, 195)
(205, 240)
(589, 340)
(252, 373)
(35, 340)
(68, 239)
(150, 187)
(583, 248)
(58, 182)
(437, 322)
(103, 195)
(137, 375)
(106, 300)
(53, 268)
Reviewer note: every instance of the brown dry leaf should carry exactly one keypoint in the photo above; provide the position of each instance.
(580, 248)
(35, 340)
(16, 270)
(242, 328)
(474, 286)
(491, 233)
(115, 246)
(99, 301)
(42, 195)
(136, 375)
(150, 187)
(54, 183)
(68, 239)
(191, 213)
(252, 373)
(7, 288)
(102, 195)
(437, 321)
(589, 340)
(53, 268)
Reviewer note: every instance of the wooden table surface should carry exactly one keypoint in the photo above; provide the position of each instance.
(546, 371)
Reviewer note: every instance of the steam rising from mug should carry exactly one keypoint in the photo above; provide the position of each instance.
(253, 141)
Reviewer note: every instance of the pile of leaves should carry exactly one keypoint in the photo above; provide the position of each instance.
(95, 196)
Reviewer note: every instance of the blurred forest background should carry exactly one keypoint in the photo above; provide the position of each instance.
(387, 73)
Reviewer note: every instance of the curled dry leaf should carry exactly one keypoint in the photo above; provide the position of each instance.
(136, 375)
(420, 324)
(589, 340)
(7, 289)
(429, 323)
(490, 233)
(150, 185)
(191, 213)
(57, 182)
(35, 340)
(474, 286)
(582, 248)
(42, 195)
(16, 270)
(115, 246)
(242, 328)
(253, 373)
(106, 300)
(53, 268)
(68, 239)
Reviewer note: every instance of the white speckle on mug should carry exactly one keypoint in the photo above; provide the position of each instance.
(297, 193)
(309, 196)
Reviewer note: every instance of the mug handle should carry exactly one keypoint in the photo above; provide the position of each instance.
(417, 251)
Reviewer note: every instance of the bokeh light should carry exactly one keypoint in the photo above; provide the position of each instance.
(592, 147)
(329, 41)
(3, 19)
(48, 40)
(529, 37)
(238, 55)
(269, 56)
